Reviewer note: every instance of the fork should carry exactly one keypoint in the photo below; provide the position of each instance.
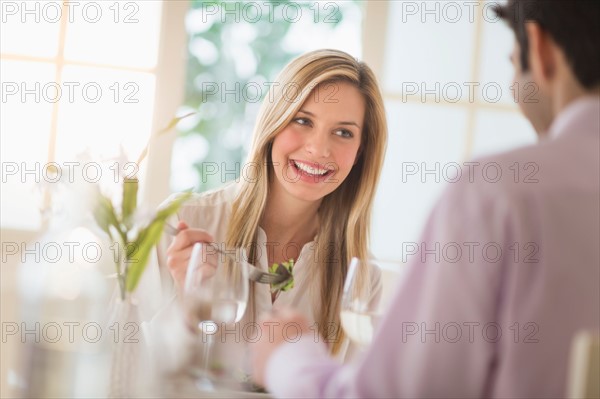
(254, 273)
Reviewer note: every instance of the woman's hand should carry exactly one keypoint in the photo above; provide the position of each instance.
(180, 250)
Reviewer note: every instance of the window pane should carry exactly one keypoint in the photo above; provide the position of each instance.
(495, 65)
(25, 127)
(423, 141)
(123, 33)
(304, 35)
(425, 46)
(30, 27)
(110, 108)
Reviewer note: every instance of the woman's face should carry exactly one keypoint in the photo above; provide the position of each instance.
(315, 153)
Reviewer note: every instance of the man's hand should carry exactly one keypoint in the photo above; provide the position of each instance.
(273, 326)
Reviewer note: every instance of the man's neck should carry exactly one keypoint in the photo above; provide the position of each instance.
(568, 92)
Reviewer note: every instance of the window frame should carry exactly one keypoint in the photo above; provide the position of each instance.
(169, 73)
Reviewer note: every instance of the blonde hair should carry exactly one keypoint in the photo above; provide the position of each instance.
(349, 205)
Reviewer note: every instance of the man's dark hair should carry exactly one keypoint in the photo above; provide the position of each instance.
(572, 24)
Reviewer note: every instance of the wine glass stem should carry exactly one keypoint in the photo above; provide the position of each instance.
(206, 353)
(203, 380)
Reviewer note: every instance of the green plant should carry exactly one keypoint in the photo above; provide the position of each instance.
(134, 234)
(137, 239)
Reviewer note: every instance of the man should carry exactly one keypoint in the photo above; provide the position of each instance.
(498, 318)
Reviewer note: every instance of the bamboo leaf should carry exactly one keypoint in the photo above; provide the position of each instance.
(141, 255)
(164, 212)
(147, 238)
(175, 121)
(164, 130)
(104, 214)
(129, 203)
(143, 155)
(130, 250)
(172, 206)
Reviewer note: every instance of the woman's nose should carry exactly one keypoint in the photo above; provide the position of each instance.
(317, 144)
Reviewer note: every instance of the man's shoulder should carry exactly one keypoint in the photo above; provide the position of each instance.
(505, 177)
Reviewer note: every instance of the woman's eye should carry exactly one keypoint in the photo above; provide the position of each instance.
(302, 121)
(344, 133)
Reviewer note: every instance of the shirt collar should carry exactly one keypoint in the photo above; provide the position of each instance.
(581, 115)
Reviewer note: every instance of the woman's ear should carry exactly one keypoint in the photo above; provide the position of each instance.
(541, 54)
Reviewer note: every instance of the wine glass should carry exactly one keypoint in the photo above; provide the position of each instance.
(215, 293)
(359, 312)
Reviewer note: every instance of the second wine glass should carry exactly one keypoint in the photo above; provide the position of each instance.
(359, 312)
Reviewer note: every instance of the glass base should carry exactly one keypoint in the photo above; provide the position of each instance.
(204, 383)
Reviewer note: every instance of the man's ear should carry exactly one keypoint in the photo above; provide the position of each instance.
(542, 59)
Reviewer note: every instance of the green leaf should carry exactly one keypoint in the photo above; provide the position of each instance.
(130, 192)
(141, 254)
(175, 121)
(148, 237)
(105, 215)
(172, 206)
(166, 129)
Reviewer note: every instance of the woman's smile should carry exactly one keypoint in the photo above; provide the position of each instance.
(311, 171)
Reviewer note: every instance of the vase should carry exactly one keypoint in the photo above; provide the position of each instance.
(61, 310)
(127, 340)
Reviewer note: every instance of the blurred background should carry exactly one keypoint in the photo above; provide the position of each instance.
(96, 80)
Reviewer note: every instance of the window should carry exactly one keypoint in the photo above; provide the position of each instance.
(235, 50)
(81, 82)
(446, 79)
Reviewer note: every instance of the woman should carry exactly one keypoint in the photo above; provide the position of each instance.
(306, 192)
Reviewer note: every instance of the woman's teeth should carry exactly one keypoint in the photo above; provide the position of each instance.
(310, 169)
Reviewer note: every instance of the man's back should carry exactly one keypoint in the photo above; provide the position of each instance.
(516, 275)
(553, 290)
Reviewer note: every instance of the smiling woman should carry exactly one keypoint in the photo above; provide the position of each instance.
(309, 201)
(314, 154)
(235, 50)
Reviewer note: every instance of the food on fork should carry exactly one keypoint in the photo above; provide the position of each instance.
(284, 268)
